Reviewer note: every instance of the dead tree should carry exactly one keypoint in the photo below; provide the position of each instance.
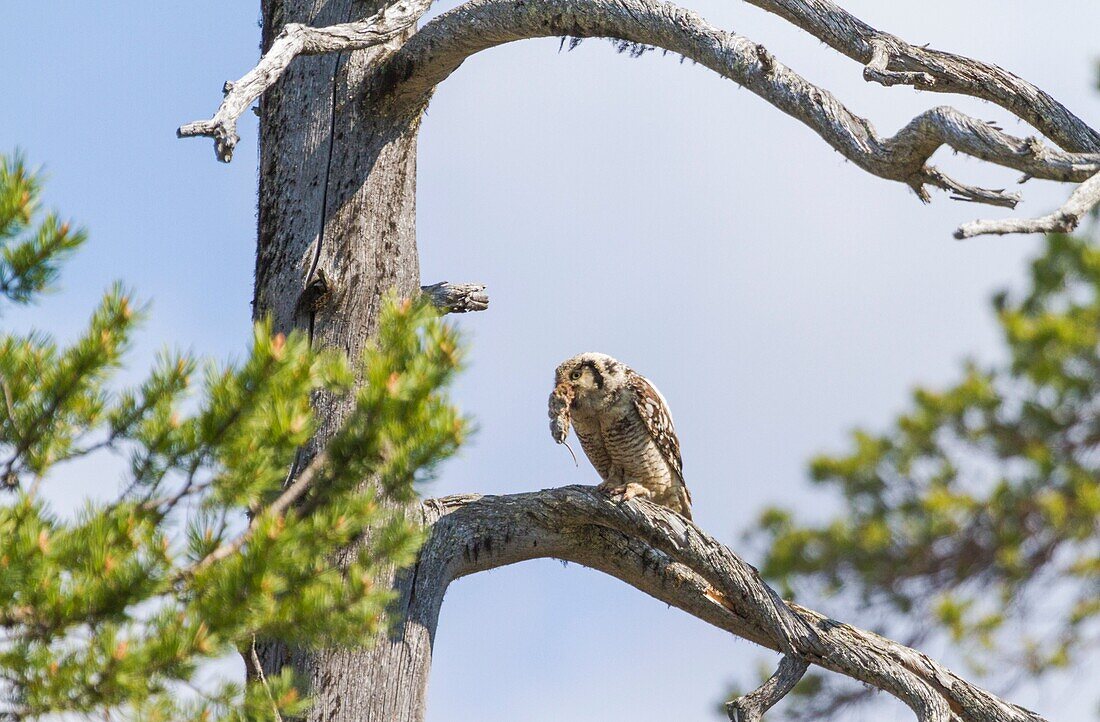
(342, 86)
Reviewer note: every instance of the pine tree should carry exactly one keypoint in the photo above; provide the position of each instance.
(205, 549)
(976, 516)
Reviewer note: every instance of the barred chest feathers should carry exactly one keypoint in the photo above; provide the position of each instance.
(624, 427)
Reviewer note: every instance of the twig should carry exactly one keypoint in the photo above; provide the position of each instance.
(258, 667)
(752, 706)
(457, 297)
(294, 40)
(9, 404)
(1064, 220)
(877, 69)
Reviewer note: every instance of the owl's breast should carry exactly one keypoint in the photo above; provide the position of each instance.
(633, 449)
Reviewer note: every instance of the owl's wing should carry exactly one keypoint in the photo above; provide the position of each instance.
(653, 409)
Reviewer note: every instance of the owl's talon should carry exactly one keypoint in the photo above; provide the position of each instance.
(617, 495)
(610, 490)
(624, 492)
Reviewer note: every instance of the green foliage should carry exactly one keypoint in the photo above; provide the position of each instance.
(29, 255)
(980, 507)
(113, 611)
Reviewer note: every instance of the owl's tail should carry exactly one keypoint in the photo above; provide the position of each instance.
(685, 502)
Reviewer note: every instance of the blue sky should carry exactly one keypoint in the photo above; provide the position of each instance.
(777, 294)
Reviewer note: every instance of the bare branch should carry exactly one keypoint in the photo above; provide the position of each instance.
(457, 297)
(752, 706)
(877, 70)
(255, 671)
(443, 44)
(1064, 220)
(949, 73)
(662, 554)
(294, 40)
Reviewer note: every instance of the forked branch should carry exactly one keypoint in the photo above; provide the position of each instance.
(662, 554)
(435, 51)
(294, 40)
(1064, 220)
(949, 73)
(443, 44)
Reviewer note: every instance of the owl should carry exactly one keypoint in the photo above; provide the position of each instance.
(625, 429)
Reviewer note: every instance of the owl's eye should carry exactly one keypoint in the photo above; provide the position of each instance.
(575, 375)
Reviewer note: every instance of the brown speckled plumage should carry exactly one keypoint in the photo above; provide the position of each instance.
(624, 427)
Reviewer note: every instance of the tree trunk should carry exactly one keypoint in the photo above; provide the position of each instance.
(337, 210)
(337, 231)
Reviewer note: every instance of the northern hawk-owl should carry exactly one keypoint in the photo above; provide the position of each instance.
(625, 429)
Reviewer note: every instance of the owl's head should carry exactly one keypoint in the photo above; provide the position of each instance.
(592, 376)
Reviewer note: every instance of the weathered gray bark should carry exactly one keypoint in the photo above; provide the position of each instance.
(337, 196)
(662, 554)
(337, 231)
(444, 43)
